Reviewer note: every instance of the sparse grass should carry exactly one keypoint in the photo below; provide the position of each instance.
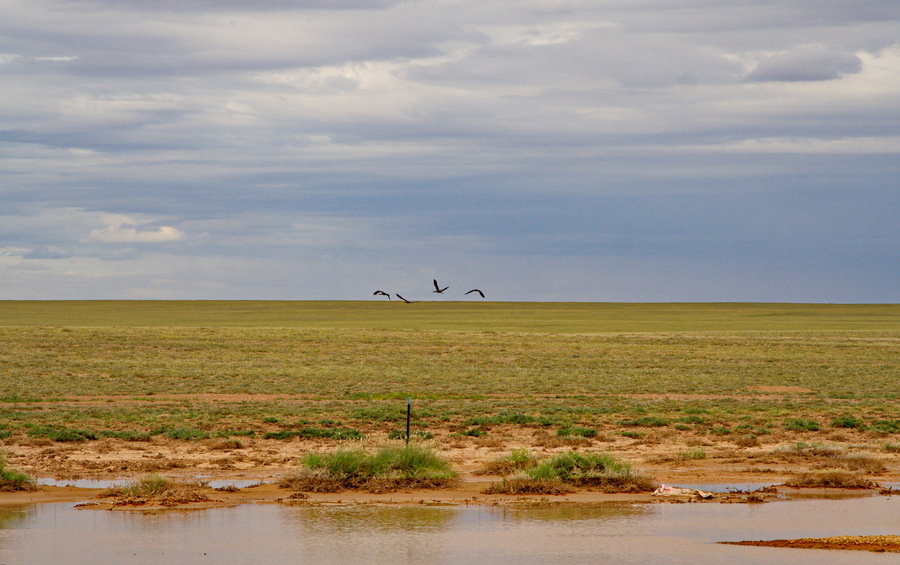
(321, 433)
(155, 489)
(522, 485)
(127, 435)
(830, 479)
(387, 470)
(824, 456)
(481, 367)
(413, 435)
(517, 461)
(645, 422)
(12, 480)
(692, 454)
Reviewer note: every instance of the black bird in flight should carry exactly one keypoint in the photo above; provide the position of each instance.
(403, 299)
(438, 289)
(381, 293)
(476, 290)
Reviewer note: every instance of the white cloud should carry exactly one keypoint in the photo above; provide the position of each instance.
(806, 64)
(129, 233)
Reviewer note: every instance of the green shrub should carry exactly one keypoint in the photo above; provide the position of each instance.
(801, 425)
(886, 426)
(576, 431)
(61, 434)
(316, 433)
(186, 434)
(5, 434)
(847, 422)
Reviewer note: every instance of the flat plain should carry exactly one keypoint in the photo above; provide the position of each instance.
(701, 392)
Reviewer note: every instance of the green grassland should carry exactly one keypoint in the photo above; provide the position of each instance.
(354, 363)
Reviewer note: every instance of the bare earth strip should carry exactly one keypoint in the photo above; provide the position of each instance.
(860, 543)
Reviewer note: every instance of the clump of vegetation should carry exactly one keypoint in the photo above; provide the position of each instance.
(747, 440)
(387, 470)
(847, 422)
(127, 435)
(12, 480)
(831, 457)
(517, 461)
(886, 426)
(61, 433)
(317, 433)
(472, 432)
(186, 434)
(591, 470)
(414, 434)
(509, 418)
(156, 489)
(576, 431)
(521, 485)
(801, 425)
(830, 479)
(691, 454)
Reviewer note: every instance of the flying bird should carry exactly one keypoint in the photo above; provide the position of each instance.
(476, 290)
(438, 289)
(381, 293)
(403, 299)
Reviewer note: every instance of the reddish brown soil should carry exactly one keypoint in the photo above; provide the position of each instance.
(859, 543)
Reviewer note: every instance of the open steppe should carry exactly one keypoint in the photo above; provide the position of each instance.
(688, 393)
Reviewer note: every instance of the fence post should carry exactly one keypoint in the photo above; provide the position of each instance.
(408, 410)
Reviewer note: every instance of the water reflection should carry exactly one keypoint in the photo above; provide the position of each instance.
(549, 533)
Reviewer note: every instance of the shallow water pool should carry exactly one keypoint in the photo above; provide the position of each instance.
(644, 533)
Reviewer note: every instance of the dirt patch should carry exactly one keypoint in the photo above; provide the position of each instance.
(859, 543)
(779, 389)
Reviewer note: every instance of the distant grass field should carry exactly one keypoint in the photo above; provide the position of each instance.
(541, 317)
(354, 362)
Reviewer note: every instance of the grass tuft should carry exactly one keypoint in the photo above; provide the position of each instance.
(830, 479)
(594, 470)
(389, 469)
(517, 461)
(156, 489)
(12, 480)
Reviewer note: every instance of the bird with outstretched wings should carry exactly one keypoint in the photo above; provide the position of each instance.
(437, 288)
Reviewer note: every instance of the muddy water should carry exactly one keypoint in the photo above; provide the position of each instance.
(613, 532)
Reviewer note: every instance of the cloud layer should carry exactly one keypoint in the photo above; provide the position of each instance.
(539, 149)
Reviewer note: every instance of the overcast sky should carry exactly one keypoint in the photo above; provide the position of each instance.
(585, 150)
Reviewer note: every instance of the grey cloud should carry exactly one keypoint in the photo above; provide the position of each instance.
(806, 64)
